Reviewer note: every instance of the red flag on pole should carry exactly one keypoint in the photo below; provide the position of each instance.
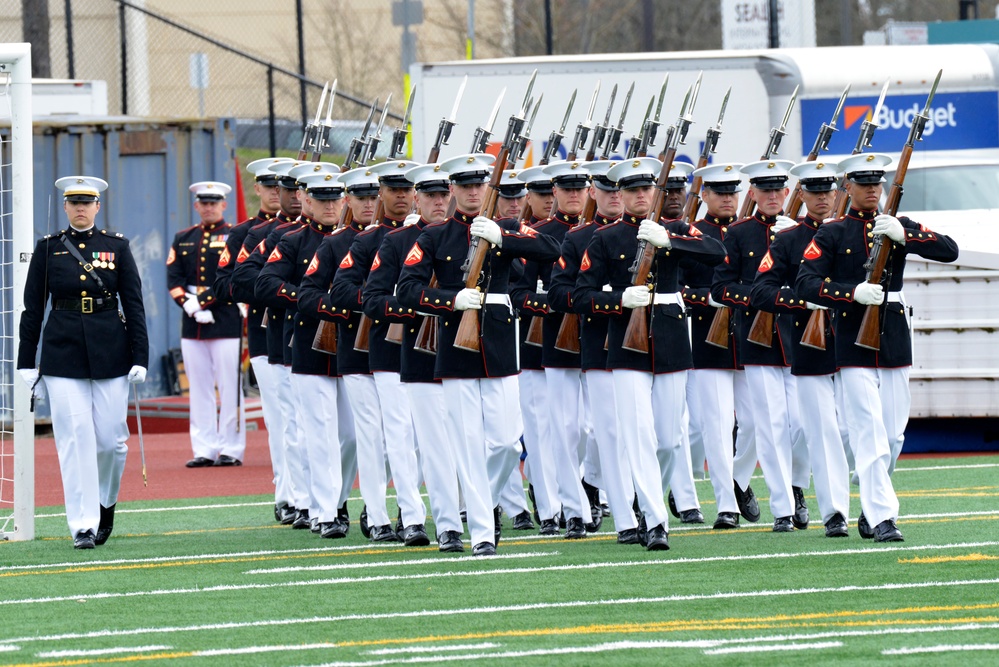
(241, 213)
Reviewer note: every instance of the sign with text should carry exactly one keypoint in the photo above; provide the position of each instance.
(745, 23)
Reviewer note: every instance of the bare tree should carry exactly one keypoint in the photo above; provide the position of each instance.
(35, 28)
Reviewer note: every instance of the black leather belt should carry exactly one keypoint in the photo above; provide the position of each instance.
(86, 305)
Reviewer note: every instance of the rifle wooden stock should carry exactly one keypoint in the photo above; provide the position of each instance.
(426, 337)
(363, 337)
(568, 334)
(589, 210)
(394, 333)
(761, 331)
(325, 340)
(815, 331)
(718, 334)
(535, 330)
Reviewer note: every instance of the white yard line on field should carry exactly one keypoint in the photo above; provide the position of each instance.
(100, 651)
(772, 648)
(403, 563)
(942, 648)
(432, 649)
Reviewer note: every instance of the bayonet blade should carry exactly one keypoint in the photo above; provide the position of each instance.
(381, 119)
(839, 107)
(329, 105)
(568, 110)
(322, 101)
(367, 123)
(610, 106)
(790, 106)
(686, 101)
(457, 99)
(593, 103)
(408, 116)
(492, 116)
(534, 114)
(693, 95)
(881, 103)
(526, 106)
(648, 111)
(933, 92)
(624, 109)
(662, 98)
(721, 114)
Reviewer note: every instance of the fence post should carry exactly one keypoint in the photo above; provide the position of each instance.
(271, 129)
(303, 103)
(124, 59)
(71, 61)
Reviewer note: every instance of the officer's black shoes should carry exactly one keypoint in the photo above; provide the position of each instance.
(398, 522)
(657, 539)
(106, 525)
(199, 462)
(643, 533)
(84, 540)
(726, 521)
(450, 542)
(343, 518)
(497, 523)
(596, 514)
(301, 521)
(523, 521)
(484, 549)
(691, 516)
(800, 517)
(783, 524)
(384, 534)
(314, 525)
(227, 461)
(363, 520)
(285, 514)
(748, 507)
(887, 532)
(864, 528)
(332, 530)
(627, 536)
(574, 529)
(672, 505)
(415, 536)
(549, 527)
(836, 526)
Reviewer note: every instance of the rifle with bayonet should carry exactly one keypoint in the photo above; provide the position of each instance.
(636, 336)
(761, 331)
(554, 142)
(814, 335)
(600, 131)
(636, 143)
(469, 329)
(613, 133)
(867, 130)
(693, 202)
(583, 127)
(322, 135)
(869, 335)
(311, 131)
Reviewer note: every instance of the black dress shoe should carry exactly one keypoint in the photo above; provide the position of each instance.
(384, 534)
(782, 524)
(106, 525)
(199, 462)
(548, 527)
(800, 517)
(836, 526)
(864, 528)
(672, 505)
(302, 520)
(523, 521)
(886, 531)
(748, 507)
(691, 516)
(643, 532)
(450, 542)
(484, 549)
(574, 529)
(332, 530)
(627, 536)
(657, 539)
(415, 536)
(228, 461)
(365, 528)
(343, 518)
(398, 522)
(497, 523)
(726, 521)
(84, 540)
(596, 515)
(314, 525)
(286, 514)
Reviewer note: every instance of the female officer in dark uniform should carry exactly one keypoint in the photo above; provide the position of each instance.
(89, 354)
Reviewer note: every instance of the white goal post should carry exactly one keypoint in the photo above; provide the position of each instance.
(17, 440)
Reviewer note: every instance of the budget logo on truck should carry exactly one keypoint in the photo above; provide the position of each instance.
(957, 121)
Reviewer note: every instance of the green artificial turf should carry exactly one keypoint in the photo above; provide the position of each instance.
(198, 582)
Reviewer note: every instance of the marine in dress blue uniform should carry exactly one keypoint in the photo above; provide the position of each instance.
(209, 332)
(480, 387)
(773, 291)
(94, 344)
(773, 406)
(648, 388)
(874, 382)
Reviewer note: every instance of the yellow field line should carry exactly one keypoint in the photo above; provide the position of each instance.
(947, 559)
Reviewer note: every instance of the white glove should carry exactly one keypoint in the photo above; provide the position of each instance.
(890, 227)
(814, 306)
(636, 296)
(137, 375)
(654, 233)
(30, 377)
(468, 299)
(191, 305)
(712, 302)
(204, 317)
(486, 229)
(411, 219)
(868, 294)
(244, 309)
(784, 222)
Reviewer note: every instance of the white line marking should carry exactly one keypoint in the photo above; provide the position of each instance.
(9, 648)
(461, 560)
(967, 467)
(943, 648)
(881, 549)
(248, 650)
(432, 649)
(100, 651)
(772, 648)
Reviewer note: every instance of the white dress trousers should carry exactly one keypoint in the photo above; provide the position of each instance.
(400, 446)
(274, 423)
(711, 407)
(567, 439)
(436, 440)
(744, 464)
(296, 461)
(320, 427)
(210, 364)
(769, 405)
(615, 468)
(372, 465)
(90, 429)
(539, 466)
(830, 471)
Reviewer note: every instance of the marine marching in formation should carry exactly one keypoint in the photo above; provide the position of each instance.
(385, 255)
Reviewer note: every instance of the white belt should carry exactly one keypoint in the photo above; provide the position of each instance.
(896, 297)
(192, 289)
(499, 299)
(608, 288)
(675, 298)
